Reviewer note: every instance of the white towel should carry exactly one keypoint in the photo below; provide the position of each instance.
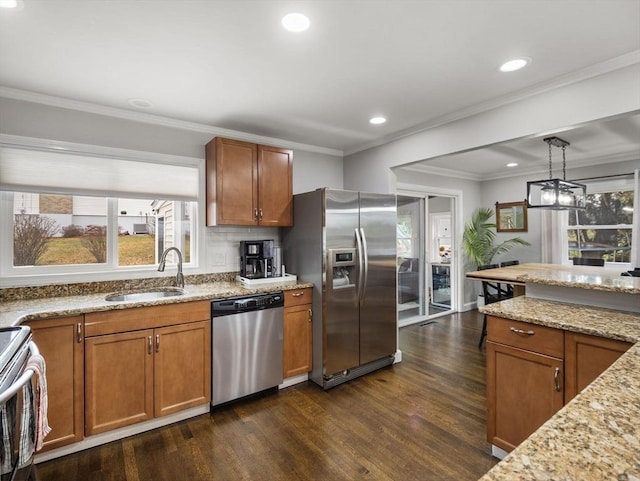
(37, 363)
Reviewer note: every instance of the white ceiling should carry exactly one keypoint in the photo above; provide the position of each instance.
(229, 64)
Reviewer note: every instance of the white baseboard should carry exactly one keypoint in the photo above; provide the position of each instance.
(290, 381)
(497, 452)
(398, 357)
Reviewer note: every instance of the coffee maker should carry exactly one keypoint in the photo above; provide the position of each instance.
(256, 259)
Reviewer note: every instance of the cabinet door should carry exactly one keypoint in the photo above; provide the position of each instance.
(275, 190)
(62, 346)
(182, 368)
(118, 380)
(524, 389)
(586, 357)
(232, 182)
(297, 340)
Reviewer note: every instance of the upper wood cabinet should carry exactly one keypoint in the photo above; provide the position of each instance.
(248, 184)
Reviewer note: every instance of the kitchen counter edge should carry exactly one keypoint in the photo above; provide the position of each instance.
(16, 312)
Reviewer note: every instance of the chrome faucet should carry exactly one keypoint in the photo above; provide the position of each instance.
(163, 257)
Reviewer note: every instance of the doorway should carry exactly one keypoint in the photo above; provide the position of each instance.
(426, 260)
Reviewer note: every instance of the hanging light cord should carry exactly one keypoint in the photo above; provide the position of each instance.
(550, 171)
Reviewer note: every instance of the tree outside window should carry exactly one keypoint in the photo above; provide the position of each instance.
(603, 229)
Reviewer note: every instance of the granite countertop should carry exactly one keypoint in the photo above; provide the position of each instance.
(596, 436)
(15, 312)
(583, 277)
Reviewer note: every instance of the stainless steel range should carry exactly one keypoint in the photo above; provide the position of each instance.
(16, 458)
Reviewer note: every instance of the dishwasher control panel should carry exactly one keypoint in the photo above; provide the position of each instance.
(235, 305)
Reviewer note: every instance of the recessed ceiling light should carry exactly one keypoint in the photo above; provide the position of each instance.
(512, 164)
(140, 103)
(16, 4)
(515, 64)
(295, 22)
(377, 120)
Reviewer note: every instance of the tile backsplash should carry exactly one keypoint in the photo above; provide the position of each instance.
(222, 245)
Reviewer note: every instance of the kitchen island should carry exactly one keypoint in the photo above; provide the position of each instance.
(597, 434)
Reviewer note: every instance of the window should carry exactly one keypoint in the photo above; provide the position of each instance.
(72, 230)
(604, 229)
(79, 210)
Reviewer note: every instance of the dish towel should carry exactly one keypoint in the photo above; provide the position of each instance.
(27, 426)
(36, 362)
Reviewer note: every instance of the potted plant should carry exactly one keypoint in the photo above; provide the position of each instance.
(479, 236)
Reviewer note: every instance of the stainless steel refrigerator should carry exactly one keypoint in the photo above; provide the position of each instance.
(345, 243)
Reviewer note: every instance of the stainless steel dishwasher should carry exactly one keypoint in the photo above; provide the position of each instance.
(247, 335)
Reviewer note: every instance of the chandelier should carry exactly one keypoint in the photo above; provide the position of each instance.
(556, 194)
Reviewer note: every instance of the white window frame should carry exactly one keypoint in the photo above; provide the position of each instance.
(11, 276)
(555, 224)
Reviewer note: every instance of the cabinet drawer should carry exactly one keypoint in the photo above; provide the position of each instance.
(523, 335)
(295, 297)
(137, 318)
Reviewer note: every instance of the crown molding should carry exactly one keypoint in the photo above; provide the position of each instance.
(88, 107)
(538, 171)
(616, 63)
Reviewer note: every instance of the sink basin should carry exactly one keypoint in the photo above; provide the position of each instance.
(148, 295)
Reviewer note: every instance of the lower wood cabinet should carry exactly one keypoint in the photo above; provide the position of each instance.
(533, 370)
(524, 389)
(142, 373)
(61, 343)
(586, 357)
(298, 317)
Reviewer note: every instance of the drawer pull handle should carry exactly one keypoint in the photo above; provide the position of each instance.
(79, 332)
(157, 342)
(297, 294)
(149, 345)
(556, 379)
(521, 331)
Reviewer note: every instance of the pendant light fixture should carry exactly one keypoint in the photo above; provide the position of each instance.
(556, 194)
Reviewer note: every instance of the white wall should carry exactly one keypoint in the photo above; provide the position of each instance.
(220, 252)
(596, 98)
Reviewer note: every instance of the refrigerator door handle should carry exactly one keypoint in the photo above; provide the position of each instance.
(361, 261)
(366, 265)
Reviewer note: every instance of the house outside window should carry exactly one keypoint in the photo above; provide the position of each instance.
(66, 230)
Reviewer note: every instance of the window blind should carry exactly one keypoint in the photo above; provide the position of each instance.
(28, 170)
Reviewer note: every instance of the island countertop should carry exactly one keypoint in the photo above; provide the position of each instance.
(607, 279)
(596, 436)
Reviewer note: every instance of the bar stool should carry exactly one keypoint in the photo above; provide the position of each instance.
(492, 292)
(587, 261)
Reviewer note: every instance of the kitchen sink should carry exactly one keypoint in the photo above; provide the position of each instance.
(145, 295)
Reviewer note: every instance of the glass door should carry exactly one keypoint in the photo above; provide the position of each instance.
(412, 286)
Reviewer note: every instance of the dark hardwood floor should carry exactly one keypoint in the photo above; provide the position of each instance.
(422, 419)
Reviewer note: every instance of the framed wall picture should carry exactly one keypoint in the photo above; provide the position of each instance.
(511, 217)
